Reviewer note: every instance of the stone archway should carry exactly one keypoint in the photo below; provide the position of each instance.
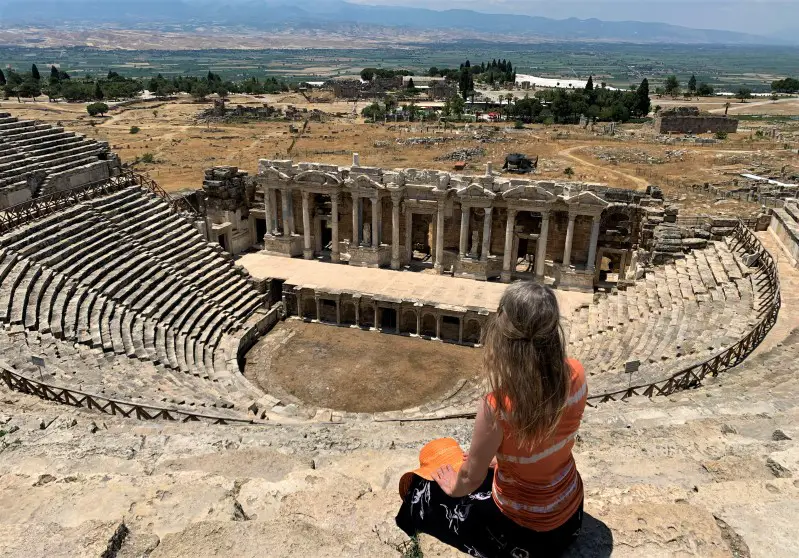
(428, 325)
(408, 322)
(472, 331)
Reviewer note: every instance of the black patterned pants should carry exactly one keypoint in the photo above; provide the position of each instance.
(475, 525)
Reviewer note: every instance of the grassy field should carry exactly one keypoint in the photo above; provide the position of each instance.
(725, 67)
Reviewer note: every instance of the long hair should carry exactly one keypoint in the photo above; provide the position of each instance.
(525, 361)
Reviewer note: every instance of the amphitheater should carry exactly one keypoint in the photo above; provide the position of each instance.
(233, 372)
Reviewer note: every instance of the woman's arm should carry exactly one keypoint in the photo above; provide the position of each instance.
(486, 439)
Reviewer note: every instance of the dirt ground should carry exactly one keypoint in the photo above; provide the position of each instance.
(184, 147)
(352, 370)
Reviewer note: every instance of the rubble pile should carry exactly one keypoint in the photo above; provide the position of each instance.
(428, 140)
(465, 154)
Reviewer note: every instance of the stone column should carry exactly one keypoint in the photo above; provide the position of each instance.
(395, 233)
(338, 311)
(375, 222)
(287, 221)
(541, 248)
(273, 215)
(567, 250)
(591, 263)
(357, 302)
(356, 229)
(318, 310)
(408, 234)
(307, 253)
(418, 323)
(439, 263)
(464, 240)
(485, 253)
(507, 272)
(334, 255)
(267, 213)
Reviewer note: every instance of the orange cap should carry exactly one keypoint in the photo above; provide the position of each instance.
(435, 454)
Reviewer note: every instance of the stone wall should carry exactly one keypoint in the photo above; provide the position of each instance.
(695, 124)
(785, 227)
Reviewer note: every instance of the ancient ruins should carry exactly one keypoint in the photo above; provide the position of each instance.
(472, 226)
(141, 333)
(39, 159)
(690, 120)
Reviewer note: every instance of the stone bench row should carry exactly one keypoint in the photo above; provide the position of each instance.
(126, 276)
(107, 374)
(679, 310)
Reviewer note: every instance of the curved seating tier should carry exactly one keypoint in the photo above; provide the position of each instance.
(676, 316)
(124, 275)
(28, 147)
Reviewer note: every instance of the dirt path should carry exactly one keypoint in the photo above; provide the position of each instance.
(737, 106)
(569, 153)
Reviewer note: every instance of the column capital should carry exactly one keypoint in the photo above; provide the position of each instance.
(573, 213)
(396, 197)
(305, 195)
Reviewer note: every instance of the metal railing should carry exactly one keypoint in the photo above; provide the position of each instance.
(768, 285)
(17, 382)
(44, 206)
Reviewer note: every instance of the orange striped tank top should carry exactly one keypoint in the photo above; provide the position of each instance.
(540, 488)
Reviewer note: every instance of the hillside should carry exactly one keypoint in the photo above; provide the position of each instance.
(335, 16)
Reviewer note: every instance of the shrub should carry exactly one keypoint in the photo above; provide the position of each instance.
(147, 158)
(721, 135)
(134, 130)
(519, 125)
(568, 171)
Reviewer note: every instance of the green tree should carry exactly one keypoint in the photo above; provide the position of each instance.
(95, 109)
(411, 87)
(98, 91)
(35, 73)
(568, 171)
(373, 112)
(29, 88)
(367, 74)
(704, 90)
(456, 106)
(672, 86)
(199, 91)
(692, 84)
(2, 78)
(54, 76)
(589, 86)
(744, 93)
(643, 103)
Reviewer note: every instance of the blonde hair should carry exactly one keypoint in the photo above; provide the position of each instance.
(525, 361)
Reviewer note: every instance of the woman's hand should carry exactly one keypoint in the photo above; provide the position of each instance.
(446, 478)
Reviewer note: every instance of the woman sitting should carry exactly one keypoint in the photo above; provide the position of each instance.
(517, 492)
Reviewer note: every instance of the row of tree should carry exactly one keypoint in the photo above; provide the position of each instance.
(115, 86)
(673, 87)
(597, 103)
(787, 85)
(368, 74)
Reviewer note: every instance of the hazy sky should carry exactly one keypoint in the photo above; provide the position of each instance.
(751, 16)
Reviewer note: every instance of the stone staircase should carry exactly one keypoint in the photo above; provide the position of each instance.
(678, 315)
(28, 148)
(124, 297)
(708, 472)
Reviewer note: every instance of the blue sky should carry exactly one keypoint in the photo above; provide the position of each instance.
(749, 16)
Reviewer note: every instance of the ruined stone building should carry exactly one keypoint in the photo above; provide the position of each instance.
(38, 159)
(480, 227)
(690, 120)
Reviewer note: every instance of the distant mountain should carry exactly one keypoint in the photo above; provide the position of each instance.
(333, 14)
